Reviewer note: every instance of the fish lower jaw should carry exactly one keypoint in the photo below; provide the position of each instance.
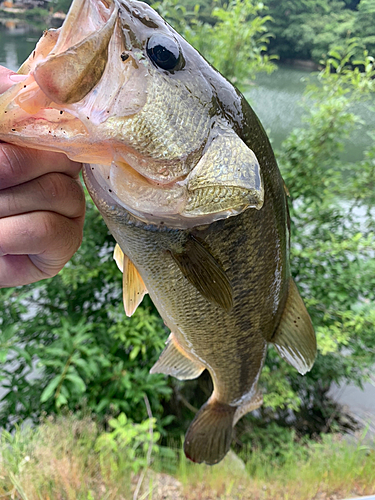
(121, 185)
(160, 205)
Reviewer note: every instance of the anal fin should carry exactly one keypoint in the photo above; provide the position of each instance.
(133, 287)
(174, 361)
(209, 436)
(205, 273)
(294, 338)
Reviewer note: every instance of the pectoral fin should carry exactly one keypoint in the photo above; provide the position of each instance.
(205, 273)
(295, 338)
(133, 288)
(226, 181)
(174, 361)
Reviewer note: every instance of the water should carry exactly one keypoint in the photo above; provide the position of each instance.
(275, 99)
(17, 40)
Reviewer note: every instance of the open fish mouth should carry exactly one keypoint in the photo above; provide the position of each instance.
(70, 86)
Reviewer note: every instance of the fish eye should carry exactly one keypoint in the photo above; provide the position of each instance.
(164, 52)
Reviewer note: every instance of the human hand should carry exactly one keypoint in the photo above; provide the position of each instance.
(42, 209)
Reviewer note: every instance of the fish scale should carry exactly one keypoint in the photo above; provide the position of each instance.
(157, 123)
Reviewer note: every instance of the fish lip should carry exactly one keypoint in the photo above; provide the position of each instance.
(95, 188)
(106, 201)
(109, 204)
(101, 195)
(75, 14)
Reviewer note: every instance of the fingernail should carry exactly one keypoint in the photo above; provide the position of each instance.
(17, 78)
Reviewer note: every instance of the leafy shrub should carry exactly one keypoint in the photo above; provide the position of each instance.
(234, 42)
(69, 345)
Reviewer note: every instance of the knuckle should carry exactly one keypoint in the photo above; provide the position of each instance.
(10, 162)
(76, 195)
(64, 235)
(45, 228)
(78, 192)
(13, 202)
(56, 187)
(51, 186)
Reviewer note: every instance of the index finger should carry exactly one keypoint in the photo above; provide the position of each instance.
(19, 165)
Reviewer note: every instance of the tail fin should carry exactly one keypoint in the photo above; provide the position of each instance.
(209, 436)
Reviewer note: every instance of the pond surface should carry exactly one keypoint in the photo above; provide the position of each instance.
(278, 101)
(17, 41)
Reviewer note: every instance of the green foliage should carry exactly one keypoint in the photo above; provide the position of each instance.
(307, 29)
(364, 26)
(61, 5)
(75, 458)
(274, 448)
(127, 443)
(69, 345)
(300, 471)
(234, 41)
(240, 38)
(36, 14)
(333, 240)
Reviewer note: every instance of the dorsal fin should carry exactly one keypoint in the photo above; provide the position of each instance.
(174, 361)
(205, 273)
(133, 288)
(294, 338)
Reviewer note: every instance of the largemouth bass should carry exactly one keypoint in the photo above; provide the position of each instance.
(186, 180)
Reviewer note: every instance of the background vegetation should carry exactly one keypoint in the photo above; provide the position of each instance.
(298, 29)
(66, 345)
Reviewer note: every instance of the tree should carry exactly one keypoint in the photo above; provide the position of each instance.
(218, 32)
(364, 26)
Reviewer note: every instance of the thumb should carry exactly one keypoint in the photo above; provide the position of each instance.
(9, 78)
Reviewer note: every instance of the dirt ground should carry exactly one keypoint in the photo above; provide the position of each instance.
(164, 487)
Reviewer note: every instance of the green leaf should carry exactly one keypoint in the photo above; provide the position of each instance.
(50, 389)
(77, 381)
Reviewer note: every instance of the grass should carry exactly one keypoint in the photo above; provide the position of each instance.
(60, 460)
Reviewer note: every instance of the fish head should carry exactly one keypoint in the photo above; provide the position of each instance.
(116, 87)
